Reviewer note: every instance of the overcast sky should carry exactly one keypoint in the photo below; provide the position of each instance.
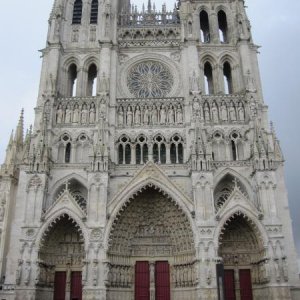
(275, 25)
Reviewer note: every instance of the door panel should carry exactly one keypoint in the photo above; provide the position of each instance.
(142, 281)
(60, 286)
(229, 285)
(245, 285)
(162, 280)
(76, 286)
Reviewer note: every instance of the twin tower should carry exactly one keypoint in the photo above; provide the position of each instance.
(151, 171)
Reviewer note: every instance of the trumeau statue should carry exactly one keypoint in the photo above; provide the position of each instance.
(163, 166)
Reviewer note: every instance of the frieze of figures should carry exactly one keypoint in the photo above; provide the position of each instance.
(150, 112)
(185, 275)
(220, 109)
(76, 112)
(120, 276)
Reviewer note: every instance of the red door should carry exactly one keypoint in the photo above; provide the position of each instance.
(142, 281)
(76, 286)
(245, 285)
(162, 280)
(229, 285)
(60, 286)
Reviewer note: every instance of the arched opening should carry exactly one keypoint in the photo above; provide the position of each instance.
(92, 81)
(204, 27)
(243, 257)
(124, 150)
(159, 150)
(225, 189)
(151, 238)
(68, 153)
(94, 12)
(60, 263)
(227, 74)
(72, 81)
(208, 79)
(223, 27)
(77, 12)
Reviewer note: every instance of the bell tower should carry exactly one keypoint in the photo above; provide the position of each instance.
(151, 171)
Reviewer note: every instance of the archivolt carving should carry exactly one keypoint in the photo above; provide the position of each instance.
(150, 225)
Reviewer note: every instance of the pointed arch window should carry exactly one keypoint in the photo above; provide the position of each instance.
(72, 80)
(227, 74)
(124, 151)
(68, 153)
(208, 78)
(159, 150)
(77, 12)
(223, 27)
(92, 81)
(204, 27)
(176, 150)
(94, 12)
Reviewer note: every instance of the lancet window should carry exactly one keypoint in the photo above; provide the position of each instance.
(124, 150)
(204, 27)
(72, 80)
(159, 150)
(208, 78)
(94, 12)
(223, 27)
(176, 150)
(227, 74)
(92, 81)
(141, 150)
(77, 12)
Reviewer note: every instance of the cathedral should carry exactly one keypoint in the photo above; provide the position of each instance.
(151, 170)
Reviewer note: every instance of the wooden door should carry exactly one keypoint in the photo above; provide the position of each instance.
(60, 285)
(142, 281)
(162, 280)
(245, 285)
(76, 286)
(229, 285)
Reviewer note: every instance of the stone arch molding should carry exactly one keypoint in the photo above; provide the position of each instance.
(166, 61)
(53, 219)
(149, 176)
(249, 216)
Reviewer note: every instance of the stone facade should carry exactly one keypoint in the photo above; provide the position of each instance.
(151, 143)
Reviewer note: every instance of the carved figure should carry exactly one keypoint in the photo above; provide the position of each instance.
(207, 112)
(154, 116)
(27, 272)
(68, 118)
(137, 116)
(232, 112)
(146, 116)
(59, 115)
(171, 115)
(84, 114)
(179, 115)
(121, 116)
(92, 113)
(76, 114)
(215, 113)
(194, 83)
(250, 84)
(223, 112)
(241, 112)
(129, 116)
(163, 115)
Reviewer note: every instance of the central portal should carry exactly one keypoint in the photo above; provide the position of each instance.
(151, 251)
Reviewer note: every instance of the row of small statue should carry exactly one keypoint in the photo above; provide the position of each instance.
(120, 276)
(83, 114)
(150, 115)
(223, 113)
(184, 275)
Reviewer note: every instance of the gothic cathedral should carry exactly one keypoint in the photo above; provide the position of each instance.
(151, 171)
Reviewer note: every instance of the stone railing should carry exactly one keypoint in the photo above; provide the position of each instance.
(140, 19)
(150, 112)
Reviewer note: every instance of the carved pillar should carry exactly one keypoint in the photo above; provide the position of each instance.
(168, 154)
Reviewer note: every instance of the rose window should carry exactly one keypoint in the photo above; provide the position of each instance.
(150, 80)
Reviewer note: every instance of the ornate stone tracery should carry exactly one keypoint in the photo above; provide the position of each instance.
(150, 79)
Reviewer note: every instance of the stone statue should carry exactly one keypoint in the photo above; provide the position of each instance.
(250, 84)
(215, 113)
(241, 112)
(137, 116)
(146, 116)
(104, 84)
(129, 116)
(68, 118)
(232, 112)
(179, 115)
(194, 83)
(171, 115)
(121, 116)
(223, 112)
(206, 112)
(92, 113)
(27, 272)
(76, 114)
(84, 114)
(102, 111)
(163, 115)
(59, 115)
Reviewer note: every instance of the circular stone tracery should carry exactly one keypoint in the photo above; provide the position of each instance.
(150, 79)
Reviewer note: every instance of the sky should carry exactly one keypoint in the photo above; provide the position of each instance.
(275, 26)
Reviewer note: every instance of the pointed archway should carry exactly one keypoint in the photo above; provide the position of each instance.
(154, 237)
(60, 260)
(244, 257)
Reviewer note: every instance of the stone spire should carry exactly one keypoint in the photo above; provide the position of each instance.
(149, 6)
(19, 137)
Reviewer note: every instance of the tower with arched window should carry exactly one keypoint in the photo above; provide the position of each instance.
(151, 171)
